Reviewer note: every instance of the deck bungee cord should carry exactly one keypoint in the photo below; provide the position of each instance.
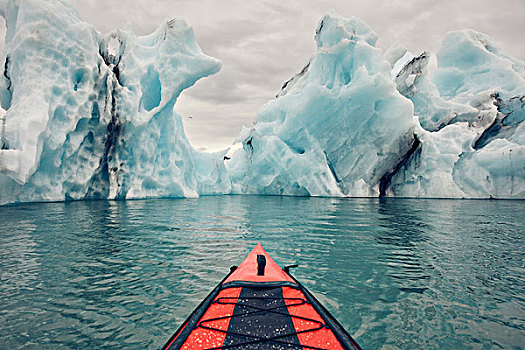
(258, 305)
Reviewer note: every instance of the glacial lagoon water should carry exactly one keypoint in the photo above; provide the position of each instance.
(397, 273)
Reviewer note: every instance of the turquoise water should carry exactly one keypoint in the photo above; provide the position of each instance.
(397, 273)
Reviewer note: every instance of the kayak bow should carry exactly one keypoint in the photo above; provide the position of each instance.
(260, 306)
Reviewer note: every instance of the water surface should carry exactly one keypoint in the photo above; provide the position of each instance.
(397, 273)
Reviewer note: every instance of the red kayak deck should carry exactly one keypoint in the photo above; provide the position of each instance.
(260, 306)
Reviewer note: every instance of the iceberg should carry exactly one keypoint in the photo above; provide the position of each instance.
(91, 115)
(336, 129)
(87, 116)
(359, 122)
(470, 110)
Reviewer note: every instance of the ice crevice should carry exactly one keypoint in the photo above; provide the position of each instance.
(511, 113)
(412, 153)
(5, 98)
(105, 176)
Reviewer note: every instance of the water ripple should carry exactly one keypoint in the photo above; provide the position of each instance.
(398, 273)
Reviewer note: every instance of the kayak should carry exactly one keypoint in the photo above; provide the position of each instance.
(259, 305)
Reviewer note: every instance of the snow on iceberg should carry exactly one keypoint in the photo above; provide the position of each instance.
(91, 116)
(338, 128)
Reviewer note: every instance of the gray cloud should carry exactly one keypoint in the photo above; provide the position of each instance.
(263, 43)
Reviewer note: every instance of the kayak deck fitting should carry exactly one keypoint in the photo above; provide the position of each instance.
(260, 306)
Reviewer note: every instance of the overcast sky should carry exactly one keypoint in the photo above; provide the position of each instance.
(262, 43)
